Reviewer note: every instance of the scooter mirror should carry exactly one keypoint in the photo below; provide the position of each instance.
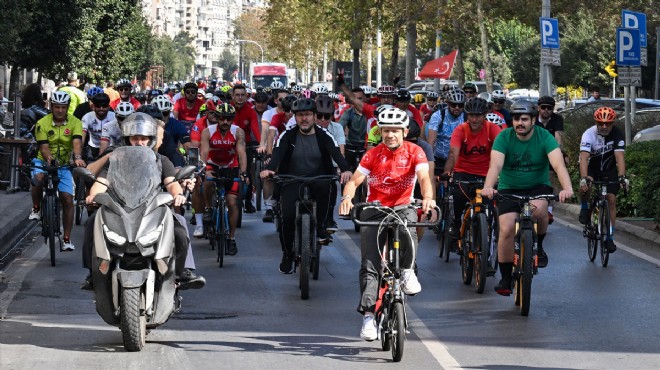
(185, 172)
(84, 173)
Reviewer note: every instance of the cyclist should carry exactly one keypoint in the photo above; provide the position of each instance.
(296, 90)
(93, 124)
(392, 168)
(83, 108)
(469, 153)
(355, 126)
(496, 119)
(260, 105)
(111, 136)
(77, 96)
(602, 156)
(110, 90)
(471, 90)
(554, 123)
(426, 110)
(499, 98)
(267, 117)
(246, 119)
(224, 145)
(124, 87)
(186, 109)
(442, 124)
(58, 135)
(520, 157)
(305, 150)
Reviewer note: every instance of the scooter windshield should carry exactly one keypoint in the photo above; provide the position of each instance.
(134, 175)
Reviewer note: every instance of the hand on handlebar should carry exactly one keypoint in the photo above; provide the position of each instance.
(266, 173)
(189, 183)
(428, 205)
(345, 207)
(488, 192)
(565, 195)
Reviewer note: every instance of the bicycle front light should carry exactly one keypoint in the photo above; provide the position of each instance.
(113, 237)
(151, 237)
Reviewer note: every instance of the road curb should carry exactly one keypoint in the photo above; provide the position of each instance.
(17, 228)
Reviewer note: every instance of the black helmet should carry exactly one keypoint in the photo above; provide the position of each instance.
(402, 95)
(287, 102)
(524, 106)
(476, 106)
(101, 99)
(325, 104)
(141, 97)
(261, 97)
(152, 111)
(190, 85)
(302, 105)
(470, 85)
(549, 100)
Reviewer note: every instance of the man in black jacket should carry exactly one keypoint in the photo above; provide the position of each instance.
(305, 150)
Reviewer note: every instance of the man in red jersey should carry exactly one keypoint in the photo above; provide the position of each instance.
(187, 109)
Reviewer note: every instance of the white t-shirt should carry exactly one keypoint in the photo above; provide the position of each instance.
(94, 127)
(112, 133)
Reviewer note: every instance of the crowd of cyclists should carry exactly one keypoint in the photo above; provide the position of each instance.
(404, 147)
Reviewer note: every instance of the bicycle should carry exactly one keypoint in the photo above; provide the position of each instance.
(308, 249)
(360, 191)
(599, 228)
(525, 258)
(442, 230)
(390, 313)
(257, 166)
(79, 198)
(477, 244)
(217, 231)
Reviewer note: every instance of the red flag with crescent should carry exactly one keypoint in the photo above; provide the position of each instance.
(439, 68)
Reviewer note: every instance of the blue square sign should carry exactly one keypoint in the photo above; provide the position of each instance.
(634, 20)
(628, 51)
(549, 33)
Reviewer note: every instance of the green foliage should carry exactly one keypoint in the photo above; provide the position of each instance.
(228, 63)
(176, 56)
(643, 169)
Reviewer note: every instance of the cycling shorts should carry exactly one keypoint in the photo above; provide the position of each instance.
(513, 205)
(65, 184)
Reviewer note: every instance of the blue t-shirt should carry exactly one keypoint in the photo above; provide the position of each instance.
(177, 131)
(447, 127)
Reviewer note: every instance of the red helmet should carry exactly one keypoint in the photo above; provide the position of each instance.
(210, 105)
(604, 114)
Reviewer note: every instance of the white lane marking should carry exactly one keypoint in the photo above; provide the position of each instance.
(619, 245)
(17, 273)
(435, 346)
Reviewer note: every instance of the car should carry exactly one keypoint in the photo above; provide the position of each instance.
(481, 85)
(523, 93)
(648, 134)
(618, 104)
(429, 85)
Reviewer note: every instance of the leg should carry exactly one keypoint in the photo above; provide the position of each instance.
(289, 196)
(322, 193)
(268, 188)
(507, 223)
(198, 205)
(186, 278)
(370, 270)
(232, 208)
(542, 221)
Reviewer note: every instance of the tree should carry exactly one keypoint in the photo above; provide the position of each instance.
(228, 63)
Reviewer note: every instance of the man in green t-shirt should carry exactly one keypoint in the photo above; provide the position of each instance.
(58, 135)
(520, 157)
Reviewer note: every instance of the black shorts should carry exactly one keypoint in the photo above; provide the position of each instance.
(439, 165)
(608, 175)
(511, 205)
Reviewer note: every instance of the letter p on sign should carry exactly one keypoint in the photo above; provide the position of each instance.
(627, 47)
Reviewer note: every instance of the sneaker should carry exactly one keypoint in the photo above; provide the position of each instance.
(504, 287)
(35, 215)
(199, 231)
(584, 216)
(67, 246)
(369, 332)
(208, 213)
(268, 216)
(249, 208)
(286, 266)
(231, 247)
(331, 226)
(542, 258)
(322, 237)
(189, 280)
(409, 283)
(88, 284)
(611, 247)
(551, 218)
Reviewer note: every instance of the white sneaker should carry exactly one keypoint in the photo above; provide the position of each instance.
(68, 246)
(409, 283)
(35, 215)
(199, 231)
(369, 331)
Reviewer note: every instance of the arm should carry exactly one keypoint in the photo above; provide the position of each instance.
(265, 136)
(454, 152)
(349, 192)
(96, 166)
(270, 140)
(103, 146)
(255, 127)
(350, 97)
(557, 162)
(496, 164)
(426, 187)
(620, 162)
(204, 149)
(99, 187)
(240, 150)
(174, 188)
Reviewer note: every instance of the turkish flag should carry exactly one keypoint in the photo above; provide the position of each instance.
(439, 68)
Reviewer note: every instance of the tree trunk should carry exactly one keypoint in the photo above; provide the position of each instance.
(411, 51)
(13, 86)
(484, 46)
(394, 63)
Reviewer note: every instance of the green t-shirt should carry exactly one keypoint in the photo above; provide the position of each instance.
(58, 138)
(525, 162)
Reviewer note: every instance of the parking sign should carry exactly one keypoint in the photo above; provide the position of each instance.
(634, 20)
(549, 33)
(627, 47)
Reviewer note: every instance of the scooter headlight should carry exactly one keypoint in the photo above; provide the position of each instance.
(113, 237)
(151, 237)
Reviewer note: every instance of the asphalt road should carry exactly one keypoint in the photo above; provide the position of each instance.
(582, 316)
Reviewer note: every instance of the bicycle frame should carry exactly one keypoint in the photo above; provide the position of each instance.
(593, 230)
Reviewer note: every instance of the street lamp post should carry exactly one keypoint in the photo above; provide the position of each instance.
(256, 43)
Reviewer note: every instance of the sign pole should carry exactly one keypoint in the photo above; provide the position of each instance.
(626, 99)
(657, 64)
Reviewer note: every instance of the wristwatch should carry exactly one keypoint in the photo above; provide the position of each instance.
(346, 197)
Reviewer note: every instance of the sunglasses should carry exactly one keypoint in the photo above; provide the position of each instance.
(546, 107)
(498, 101)
(470, 92)
(124, 89)
(325, 116)
(604, 124)
(101, 105)
(456, 105)
(191, 91)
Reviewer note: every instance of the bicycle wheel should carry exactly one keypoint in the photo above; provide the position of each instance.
(258, 185)
(398, 326)
(221, 233)
(358, 199)
(482, 250)
(316, 257)
(591, 232)
(385, 337)
(604, 231)
(446, 236)
(492, 242)
(239, 204)
(524, 284)
(49, 224)
(467, 263)
(80, 193)
(305, 254)
(211, 227)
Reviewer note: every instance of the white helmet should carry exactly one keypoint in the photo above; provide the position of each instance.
(495, 118)
(162, 102)
(486, 96)
(297, 88)
(124, 109)
(499, 94)
(277, 85)
(60, 97)
(393, 117)
(321, 89)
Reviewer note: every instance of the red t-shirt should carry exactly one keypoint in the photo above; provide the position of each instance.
(189, 115)
(222, 149)
(246, 118)
(474, 157)
(196, 130)
(426, 112)
(278, 122)
(134, 102)
(391, 175)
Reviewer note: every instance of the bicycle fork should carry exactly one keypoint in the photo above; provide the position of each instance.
(517, 265)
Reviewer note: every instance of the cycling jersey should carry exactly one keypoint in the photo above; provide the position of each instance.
(92, 126)
(112, 133)
(222, 148)
(77, 97)
(198, 127)
(474, 155)
(391, 175)
(279, 123)
(187, 116)
(555, 124)
(601, 149)
(59, 138)
(246, 119)
(444, 124)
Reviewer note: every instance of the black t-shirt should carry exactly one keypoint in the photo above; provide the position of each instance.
(170, 149)
(306, 158)
(555, 124)
(81, 110)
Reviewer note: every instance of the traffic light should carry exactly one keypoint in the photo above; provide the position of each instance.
(610, 69)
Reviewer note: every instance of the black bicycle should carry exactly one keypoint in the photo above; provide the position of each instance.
(360, 191)
(390, 307)
(446, 220)
(79, 198)
(599, 228)
(217, 230)
(308, 249)
(256, 167)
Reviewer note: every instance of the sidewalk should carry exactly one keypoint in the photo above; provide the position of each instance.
(14, 224)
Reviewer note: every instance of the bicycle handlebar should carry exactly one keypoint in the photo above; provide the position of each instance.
(285, 178)
(358, 207)
(527, 198)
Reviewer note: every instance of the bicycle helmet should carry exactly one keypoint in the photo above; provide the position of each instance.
(287, 103)
(123, 83)
(381, 108)
(297, 88)
(333, 96)
(499, 94)
(325, 104)
(225, 110)
(60, 97)
(486, 96)
(524, 106)
(202, 109)
(248, 90)
(393, 117)
(470, 85)
(189, 85)
(93, 91)
(156, 92)
(495, 118)
(431, 95)
(308, 94)
(141, 97)
(476, 106)
(386, 90)
(604, 114)
(402, 95)
(211, 106)
(124, 109)
(140, 124)
(321, 89)
(547, 100)
(418, 99)
(151, 110)
(277, 85)
(305, 104)
(101, 99)
(163, 103)
(456, 96)
(267, 90)
(261, 97)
